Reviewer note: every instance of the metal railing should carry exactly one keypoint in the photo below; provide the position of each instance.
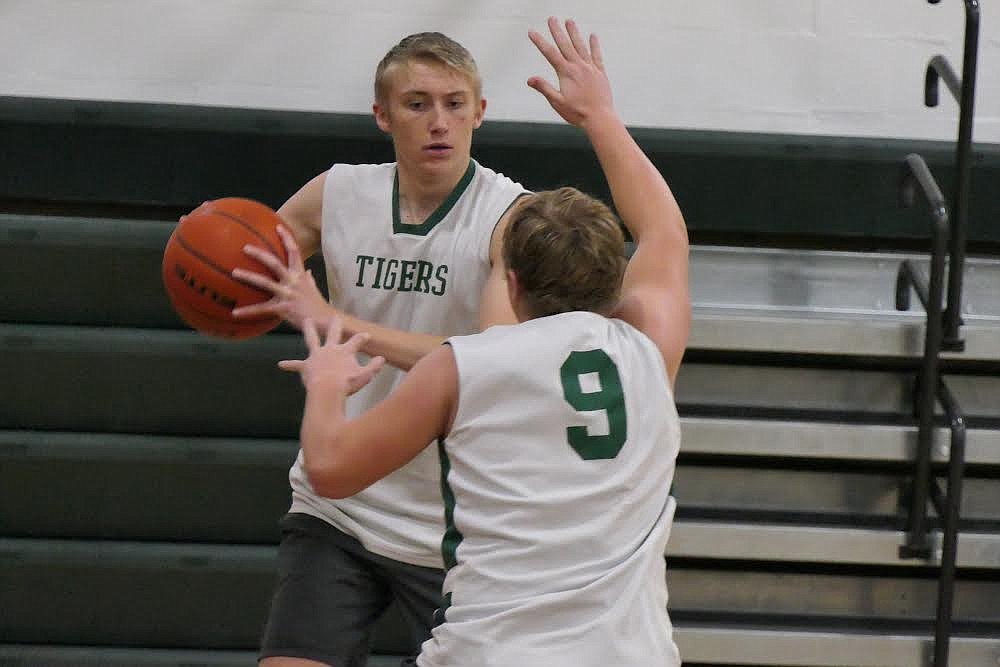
(964, 92)
(931, 390)
(948, 237)
(931, 295)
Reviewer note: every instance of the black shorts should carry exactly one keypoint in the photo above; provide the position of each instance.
(331, 591)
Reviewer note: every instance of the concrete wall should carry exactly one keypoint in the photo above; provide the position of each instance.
(837, 67)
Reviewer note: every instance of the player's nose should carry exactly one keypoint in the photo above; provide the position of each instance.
(438, 119)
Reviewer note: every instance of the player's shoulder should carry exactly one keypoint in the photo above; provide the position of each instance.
(486, 175)
(648, 311)
(343, 170)
(486, 337)
(343, 178)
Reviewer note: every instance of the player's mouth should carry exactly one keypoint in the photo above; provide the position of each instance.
(438, 149)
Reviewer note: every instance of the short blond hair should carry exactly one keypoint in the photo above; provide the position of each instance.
(429, 46)
(567, 250)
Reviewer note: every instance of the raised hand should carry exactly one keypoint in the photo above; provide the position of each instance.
(583, 92)
(295, 295)
(333, 364)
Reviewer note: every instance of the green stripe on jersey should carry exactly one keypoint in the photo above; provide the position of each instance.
(437, 216)
(452, 536)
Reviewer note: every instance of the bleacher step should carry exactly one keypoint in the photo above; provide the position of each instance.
(40, 655)
(791, 647)
(702, 644)
(798, 332)
(728, 540)
(181, 383)
(68, 484)
(779, 438)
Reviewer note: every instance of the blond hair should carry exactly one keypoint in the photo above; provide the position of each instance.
(432, 46)
(567, 250)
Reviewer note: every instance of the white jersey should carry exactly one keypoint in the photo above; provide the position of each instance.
(556, 478)
(424, 278)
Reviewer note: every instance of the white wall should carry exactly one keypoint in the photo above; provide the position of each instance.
(842, 67)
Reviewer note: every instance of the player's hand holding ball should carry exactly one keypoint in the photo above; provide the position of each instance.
(295, 296)
(203, 252)
(233, 270)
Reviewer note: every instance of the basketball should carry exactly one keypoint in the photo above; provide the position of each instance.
(199, 258)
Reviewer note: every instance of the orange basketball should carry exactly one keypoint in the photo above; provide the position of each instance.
(200, 256)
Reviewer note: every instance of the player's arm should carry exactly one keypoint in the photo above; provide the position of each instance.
(296, 296)
(303, 215)
(344, 456)
(294, 293)
(655, 297)
(402, 349)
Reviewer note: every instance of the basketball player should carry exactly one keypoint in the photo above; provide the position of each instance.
(557, 436)
(411, 251)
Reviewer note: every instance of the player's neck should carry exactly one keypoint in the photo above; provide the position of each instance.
(421, 192)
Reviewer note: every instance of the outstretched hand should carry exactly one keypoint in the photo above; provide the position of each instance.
(295, 296)
(333, 363)
(583, 92)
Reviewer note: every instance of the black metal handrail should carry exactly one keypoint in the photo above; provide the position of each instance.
(949, 510)
(915, 172)
(931, 389)
(942, 329)
(964, 92)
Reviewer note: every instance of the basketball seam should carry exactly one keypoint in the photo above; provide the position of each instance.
(216, 318)
(250, 228)
(184, 244)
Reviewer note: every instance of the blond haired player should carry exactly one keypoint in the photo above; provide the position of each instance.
(411, 251)
(557, 436)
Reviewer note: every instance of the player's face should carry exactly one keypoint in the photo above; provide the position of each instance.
(430, 110)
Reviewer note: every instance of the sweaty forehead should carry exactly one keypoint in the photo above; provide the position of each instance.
(429, 78)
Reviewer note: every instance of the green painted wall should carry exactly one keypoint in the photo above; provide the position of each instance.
(732, 186)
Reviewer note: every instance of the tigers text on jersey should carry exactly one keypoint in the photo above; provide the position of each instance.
(556, 476)
(425, 278)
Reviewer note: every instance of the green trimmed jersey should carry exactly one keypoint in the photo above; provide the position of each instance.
(425, 278)
(556, 477)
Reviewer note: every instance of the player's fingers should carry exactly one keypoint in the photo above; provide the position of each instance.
(595, 52)
(550, 92)
(270, 308)
(357, 341)
(268, 259)
(562, 40)
(310, 334)
(258, 280)
(309, 277)
(292, 248)
(374, 366)
(369, 371)
(292, 365)
(334, 330)
(579, 45)
(550, 52)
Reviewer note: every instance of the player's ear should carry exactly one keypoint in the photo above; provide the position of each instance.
(480, 113)
(513, 288)
(382, 117)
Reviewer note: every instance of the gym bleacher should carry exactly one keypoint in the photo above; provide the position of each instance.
(143, 467)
